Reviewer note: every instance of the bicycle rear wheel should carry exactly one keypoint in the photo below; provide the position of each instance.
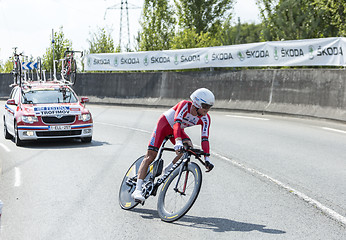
(128, 186)
(175, 203)
(39, 69)
(72, 75)
(129, 182)
(17, 71)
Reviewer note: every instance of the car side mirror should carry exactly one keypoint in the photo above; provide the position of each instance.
(11, 102)
(84, 100)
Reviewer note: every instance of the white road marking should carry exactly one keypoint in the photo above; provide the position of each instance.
(119, 126)
(329, 212)
(5, 147)
(18, 177)
(333, 130)
(245, 117)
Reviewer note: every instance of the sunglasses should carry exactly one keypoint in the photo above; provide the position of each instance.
(206, 106)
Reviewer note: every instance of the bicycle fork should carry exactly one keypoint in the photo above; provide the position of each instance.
(184, 166)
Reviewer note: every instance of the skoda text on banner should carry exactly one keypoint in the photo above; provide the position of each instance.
(309, 52)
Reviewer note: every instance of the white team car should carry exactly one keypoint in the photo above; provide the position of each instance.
(41, 110)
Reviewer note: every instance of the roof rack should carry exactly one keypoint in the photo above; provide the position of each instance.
(25, 80)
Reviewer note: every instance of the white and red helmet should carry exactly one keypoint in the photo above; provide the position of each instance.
(202, 96)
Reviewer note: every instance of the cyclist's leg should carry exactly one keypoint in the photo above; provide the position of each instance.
(137, 195)
(148, 159)
(161, 131)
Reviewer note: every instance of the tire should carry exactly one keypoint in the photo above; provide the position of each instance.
(39, 69)
(17, 140)
(17, 71)
(172, 205)
(72, 76)
(7, 135)
(16, 81)
(125, 200)
(19, 76)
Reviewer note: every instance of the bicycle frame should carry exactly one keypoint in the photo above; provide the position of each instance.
(183, 160)
(182, 163)
(150, 187)
(66, 68)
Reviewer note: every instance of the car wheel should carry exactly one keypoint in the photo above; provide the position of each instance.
(17, 140)
(6, 133)
(86, 139)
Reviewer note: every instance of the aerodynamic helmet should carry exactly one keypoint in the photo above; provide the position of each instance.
(202, 98)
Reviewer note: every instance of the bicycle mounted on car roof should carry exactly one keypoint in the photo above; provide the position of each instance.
(20, 75)
(69, 66)
(17, 67)
(68, 72)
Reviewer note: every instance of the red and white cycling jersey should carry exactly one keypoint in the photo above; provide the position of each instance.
(182, 113)
(174, 120)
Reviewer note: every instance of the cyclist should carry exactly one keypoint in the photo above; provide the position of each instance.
(172, 122)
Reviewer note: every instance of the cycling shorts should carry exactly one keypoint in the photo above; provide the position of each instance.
(163, 129)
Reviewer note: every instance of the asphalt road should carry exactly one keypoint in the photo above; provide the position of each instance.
(274, 178)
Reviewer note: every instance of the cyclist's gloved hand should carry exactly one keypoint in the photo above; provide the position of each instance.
(208, 165)
(178, 145)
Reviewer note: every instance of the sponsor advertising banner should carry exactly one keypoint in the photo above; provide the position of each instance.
(56, 110)
(309, 52)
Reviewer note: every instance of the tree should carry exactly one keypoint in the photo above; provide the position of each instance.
(334, 14)
(7, 67)
(240, 34)
(101, 42)
(200, 22)
(302, 19)
(158, 25)
(60, 46)
(1, 67)
(201, 15)
(189, 38)
(290, 19)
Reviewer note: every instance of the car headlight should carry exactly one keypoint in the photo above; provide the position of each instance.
(29, 119)
(85, 117)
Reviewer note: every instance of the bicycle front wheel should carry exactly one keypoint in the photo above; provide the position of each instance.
(17, 68)
(177, 195)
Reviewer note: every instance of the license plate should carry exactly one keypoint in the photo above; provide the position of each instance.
(59, 128)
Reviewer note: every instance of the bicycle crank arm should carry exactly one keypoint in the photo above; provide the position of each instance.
(156, 186)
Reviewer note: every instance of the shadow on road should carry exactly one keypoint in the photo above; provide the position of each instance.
(212, 223)
(44, 144)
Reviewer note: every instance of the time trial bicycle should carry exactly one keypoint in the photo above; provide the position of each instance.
(69, 66)
(181, 183)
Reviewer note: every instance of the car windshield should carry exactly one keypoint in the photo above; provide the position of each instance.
(48, 95)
